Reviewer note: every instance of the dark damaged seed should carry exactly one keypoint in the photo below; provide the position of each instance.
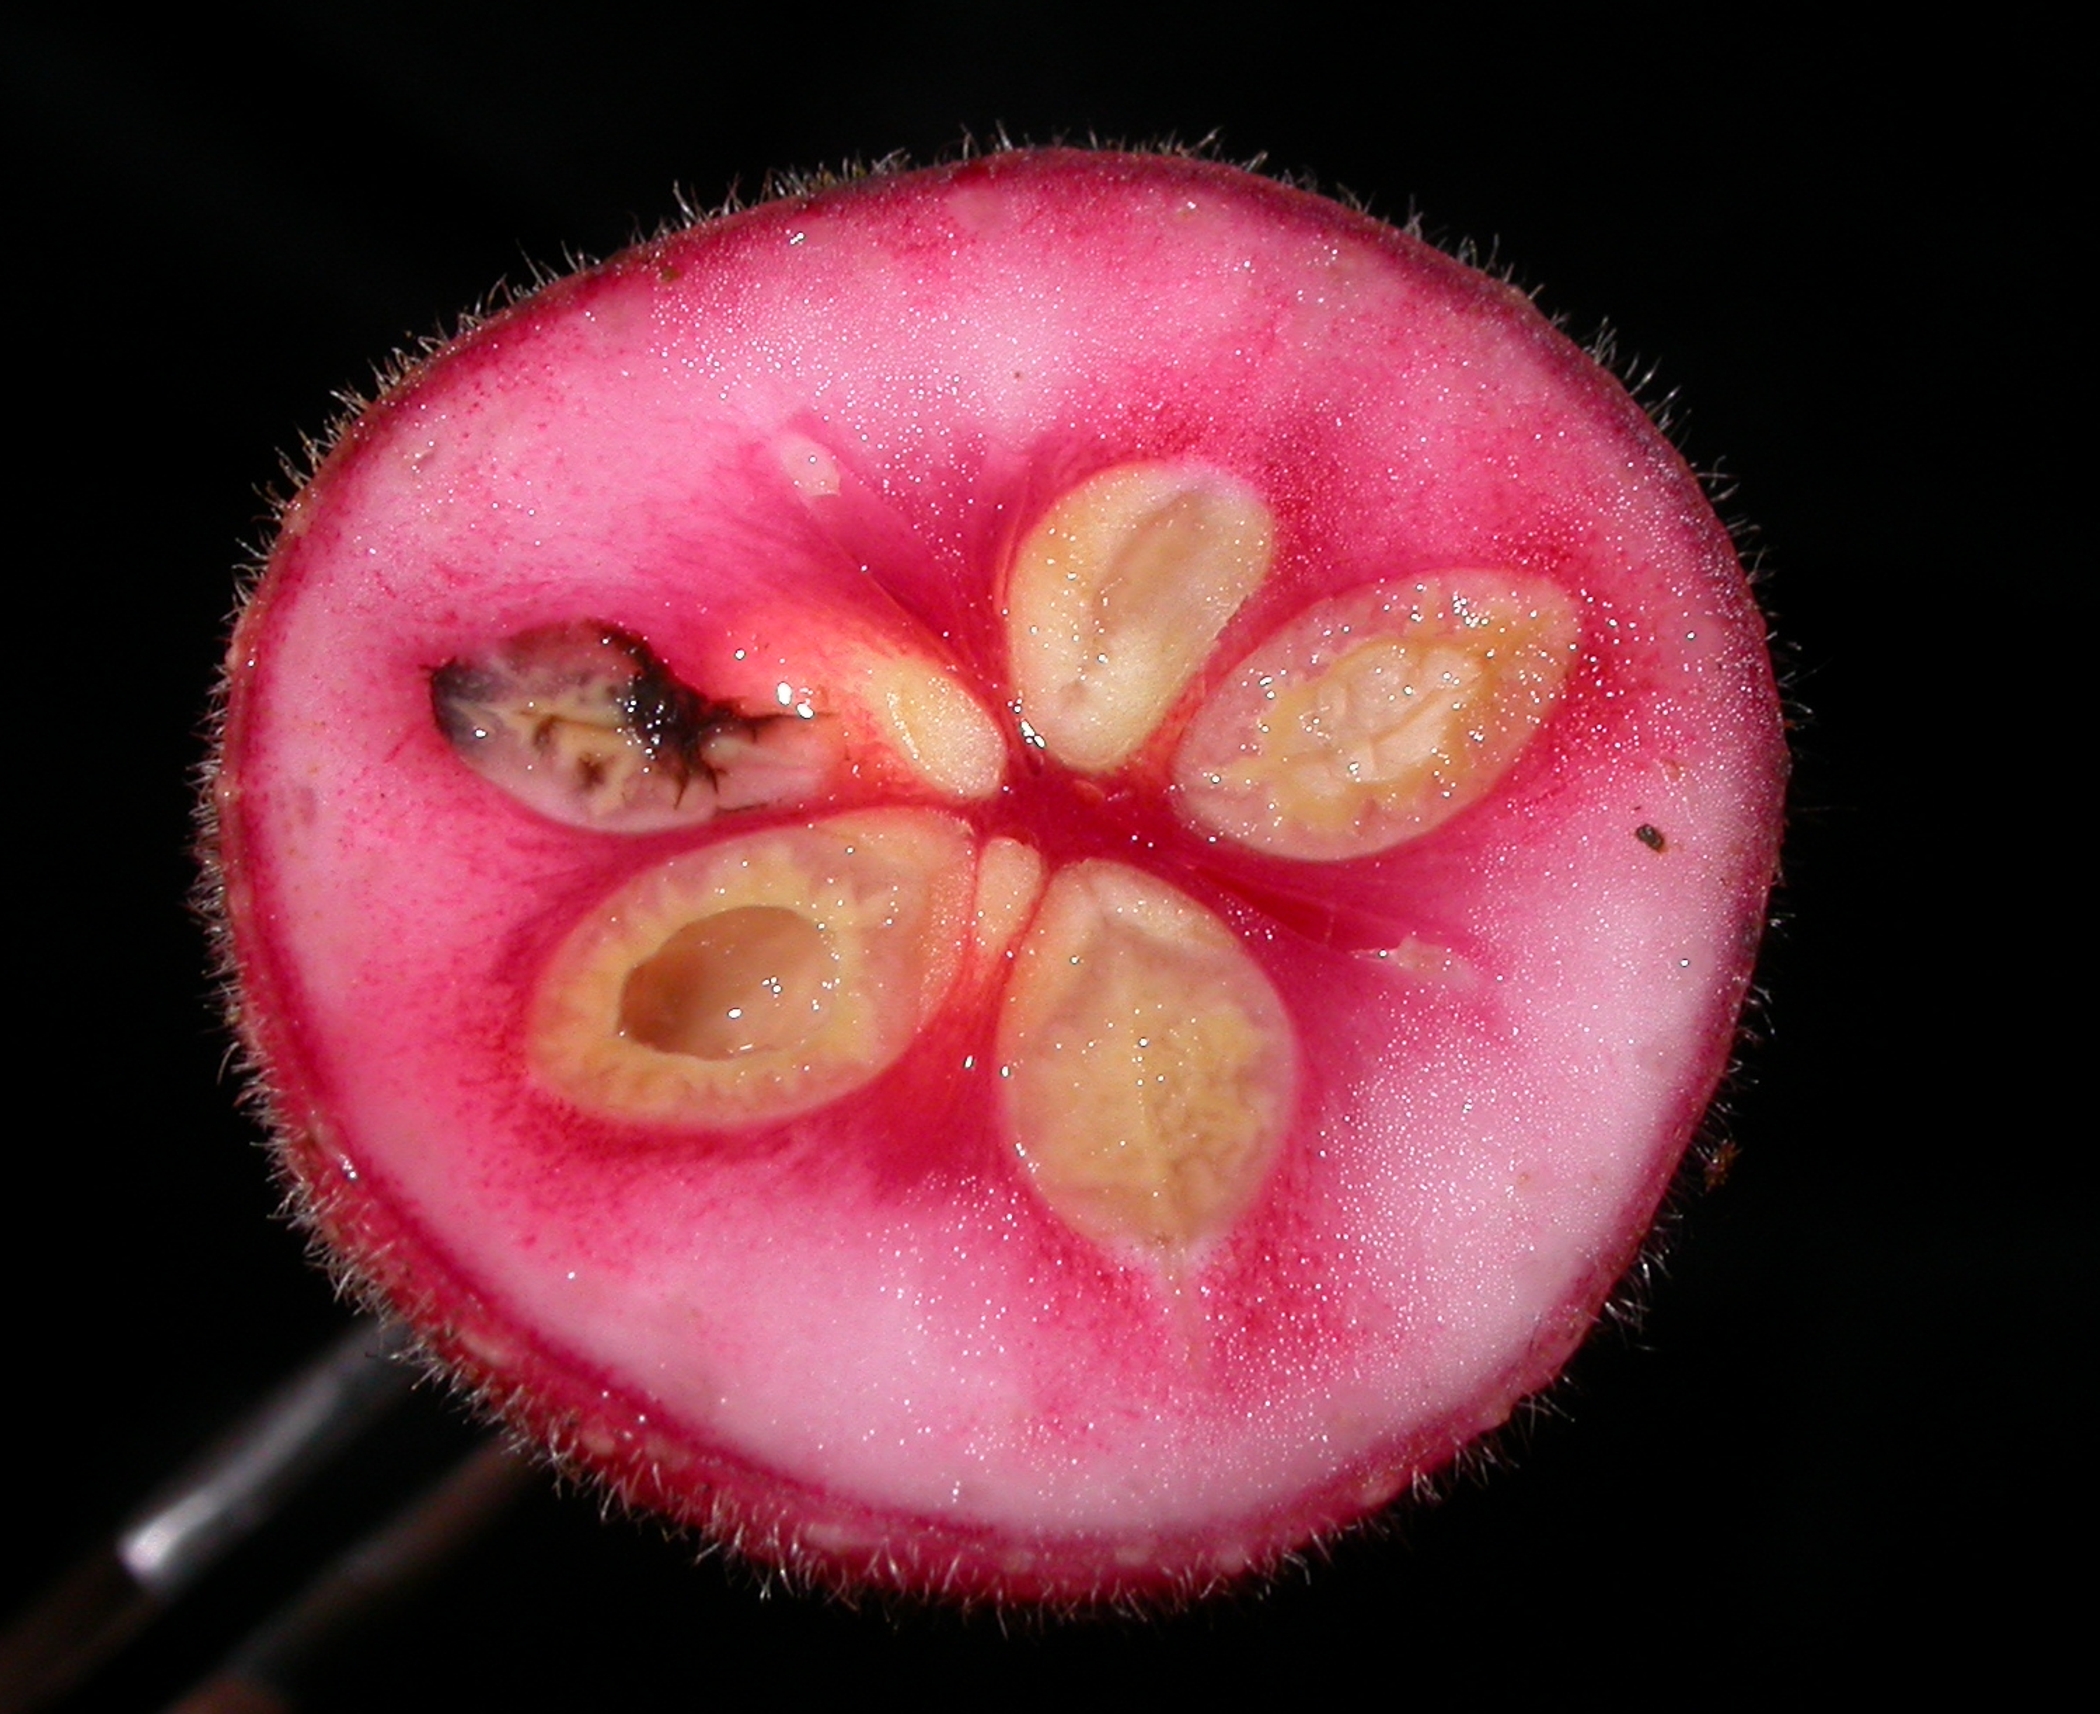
(584, 723)
(672, 719)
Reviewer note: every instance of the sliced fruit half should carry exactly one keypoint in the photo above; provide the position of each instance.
(1015, 880)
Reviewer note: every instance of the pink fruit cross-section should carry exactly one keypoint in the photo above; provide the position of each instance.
(1018, 879)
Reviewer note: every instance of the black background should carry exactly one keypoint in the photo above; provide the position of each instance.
(1839, 1436)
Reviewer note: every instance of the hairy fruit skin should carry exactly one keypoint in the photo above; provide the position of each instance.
(887, 1322)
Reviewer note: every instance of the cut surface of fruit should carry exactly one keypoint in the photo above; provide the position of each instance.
(1016, 880)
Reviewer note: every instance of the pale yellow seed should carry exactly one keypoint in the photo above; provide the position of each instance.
(1009, 881)
(760, 977)
(1149, 1063)
(1117, 596)
(1377, 715)
(939, 728)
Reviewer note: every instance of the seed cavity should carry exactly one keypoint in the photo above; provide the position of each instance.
(1117, 596)
(1149, 1065)
(1377, 715)
(762, 977)
(583, 723)
(749, 980)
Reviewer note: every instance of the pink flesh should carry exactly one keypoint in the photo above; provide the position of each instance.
(857, 1339)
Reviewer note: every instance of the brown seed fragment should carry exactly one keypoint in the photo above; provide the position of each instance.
(747, 980)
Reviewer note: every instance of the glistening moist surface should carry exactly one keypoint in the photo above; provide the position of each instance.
(743, 443)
